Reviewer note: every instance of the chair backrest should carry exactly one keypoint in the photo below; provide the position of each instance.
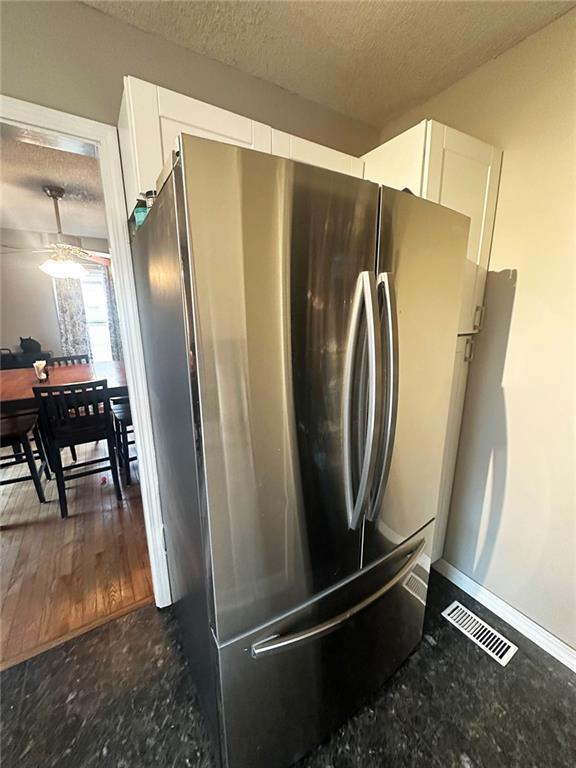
(67, 407)
(69, 360)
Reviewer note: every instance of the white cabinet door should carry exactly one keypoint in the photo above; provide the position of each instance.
(140, 139)
(178, 113)
(464, 354)
(455, 170)
(399, 163)
(462, 173)
(151, 119)
(304, 151)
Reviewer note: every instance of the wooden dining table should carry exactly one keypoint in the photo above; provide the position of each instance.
(16, 384)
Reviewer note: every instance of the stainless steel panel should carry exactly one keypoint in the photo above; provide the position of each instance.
(424, 246)
(275, 252)
(280, 643)
(170, 372)
(276, 707)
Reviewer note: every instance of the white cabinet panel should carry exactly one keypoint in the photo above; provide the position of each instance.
(462, 173)
(208, 118)
(182, 113)
(304, 151)
(399, 163)
(140, 139)
(463, 189)
(170, 129)
(464, 353)
(151, 119)
(456, 170)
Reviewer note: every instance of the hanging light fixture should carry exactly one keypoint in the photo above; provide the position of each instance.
(65, 251)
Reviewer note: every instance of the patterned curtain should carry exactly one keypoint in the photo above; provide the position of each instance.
(114, 325)
(72, 317)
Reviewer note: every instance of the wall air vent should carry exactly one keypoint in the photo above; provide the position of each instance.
(480, 633)
(417, 587)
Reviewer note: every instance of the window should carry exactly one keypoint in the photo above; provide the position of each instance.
(97, 320)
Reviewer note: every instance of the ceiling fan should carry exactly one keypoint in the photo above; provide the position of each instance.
(65, 252)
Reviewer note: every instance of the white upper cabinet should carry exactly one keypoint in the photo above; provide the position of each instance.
(304, 151)
(431, 160)
(140, 138)
(458, 171)
(152, 117)
(399, 163)
(183, 114)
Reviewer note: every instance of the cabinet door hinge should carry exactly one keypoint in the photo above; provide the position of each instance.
(469, 350)
(479, 317)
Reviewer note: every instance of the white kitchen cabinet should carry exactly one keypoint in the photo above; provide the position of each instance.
(151, 118)
(399, 163)
(456, 170)
(140, 138)
(304, 151)
(178, 113)
(448, 167)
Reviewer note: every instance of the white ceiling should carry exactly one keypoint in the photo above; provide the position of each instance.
(368, 60)
(29, 160)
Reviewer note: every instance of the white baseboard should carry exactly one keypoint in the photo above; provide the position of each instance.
(534, 632)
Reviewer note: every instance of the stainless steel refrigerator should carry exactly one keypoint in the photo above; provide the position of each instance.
(299, 328)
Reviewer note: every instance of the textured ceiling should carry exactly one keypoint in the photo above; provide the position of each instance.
(28, 164)
(369, 60)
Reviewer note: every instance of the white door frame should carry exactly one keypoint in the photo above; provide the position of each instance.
(105, 137)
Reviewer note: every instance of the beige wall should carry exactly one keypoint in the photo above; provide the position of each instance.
(513, 518)
(71, 57)
(28, 302)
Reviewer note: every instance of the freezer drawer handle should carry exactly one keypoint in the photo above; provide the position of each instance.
(364, 295)
(385, 285)
(278, 643)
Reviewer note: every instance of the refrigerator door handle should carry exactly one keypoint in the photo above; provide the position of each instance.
(278, 643)
(385, 286)
(364, 295)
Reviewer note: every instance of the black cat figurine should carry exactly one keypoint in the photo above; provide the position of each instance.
(30, 345)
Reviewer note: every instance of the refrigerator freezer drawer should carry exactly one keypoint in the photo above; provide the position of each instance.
(286, 686)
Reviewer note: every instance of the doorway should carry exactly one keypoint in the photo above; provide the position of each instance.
(61, 577)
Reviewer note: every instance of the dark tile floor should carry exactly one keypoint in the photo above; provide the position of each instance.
(120, 696)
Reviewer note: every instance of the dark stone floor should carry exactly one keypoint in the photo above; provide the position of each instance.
(120, 696)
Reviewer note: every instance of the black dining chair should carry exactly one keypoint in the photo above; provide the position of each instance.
(124, 434)
(56, 362)
(71, 415)
(66, 360)
(17, 431)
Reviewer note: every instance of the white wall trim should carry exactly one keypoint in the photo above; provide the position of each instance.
(534, 632)
(106, 138)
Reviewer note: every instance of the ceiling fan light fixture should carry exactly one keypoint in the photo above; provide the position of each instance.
(66, 249)
(63, 268)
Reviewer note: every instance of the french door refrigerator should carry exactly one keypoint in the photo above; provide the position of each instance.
(299, 328)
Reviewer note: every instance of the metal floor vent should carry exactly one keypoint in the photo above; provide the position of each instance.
(480, 633)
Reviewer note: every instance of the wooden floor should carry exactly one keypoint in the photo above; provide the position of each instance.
(59, 578)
